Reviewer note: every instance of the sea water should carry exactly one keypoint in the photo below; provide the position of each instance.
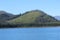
(48, 33)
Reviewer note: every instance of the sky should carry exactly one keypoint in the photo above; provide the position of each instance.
(51, 7)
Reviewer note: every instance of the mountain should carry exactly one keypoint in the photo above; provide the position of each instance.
(34, 16)
(57, 17)
(5, 16)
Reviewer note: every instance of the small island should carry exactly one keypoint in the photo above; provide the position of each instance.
(33, 18)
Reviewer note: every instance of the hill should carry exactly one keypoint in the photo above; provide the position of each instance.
(4, 16)
(34, 16)
(57, 17)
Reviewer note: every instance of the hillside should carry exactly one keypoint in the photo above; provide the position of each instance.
(34, 16)
(5, 16)
(57, 17)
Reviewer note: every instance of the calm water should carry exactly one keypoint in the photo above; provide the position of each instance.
(30, 34)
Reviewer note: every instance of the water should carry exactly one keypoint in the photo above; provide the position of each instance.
(30, 33)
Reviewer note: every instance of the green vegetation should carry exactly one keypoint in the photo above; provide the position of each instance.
(27, 18)
(34, 18)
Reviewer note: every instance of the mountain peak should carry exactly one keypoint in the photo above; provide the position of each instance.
(2, 12)
(36, 11)
(5, 15)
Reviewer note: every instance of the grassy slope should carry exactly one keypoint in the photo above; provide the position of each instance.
(27, 18)
(33, 17)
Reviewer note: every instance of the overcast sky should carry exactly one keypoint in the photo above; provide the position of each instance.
(51, 7)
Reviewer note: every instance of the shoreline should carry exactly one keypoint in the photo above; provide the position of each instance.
(33, 27)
